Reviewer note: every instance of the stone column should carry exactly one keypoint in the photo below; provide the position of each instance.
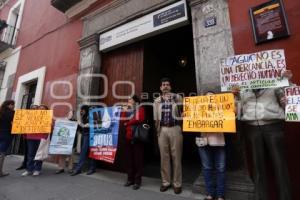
(213, 41)
(90, 63)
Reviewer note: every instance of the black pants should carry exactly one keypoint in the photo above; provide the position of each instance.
(135, 161)
(268, 138)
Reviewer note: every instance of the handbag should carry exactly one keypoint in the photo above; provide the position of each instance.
(201, 141)
(141, 133)
(43, 150)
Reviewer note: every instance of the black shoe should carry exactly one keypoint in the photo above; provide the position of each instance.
(164, 188)
(75, 173)
(90, 172)
(21, 167)
(60, 171)
(136, 186)
(128, 183)
(177, 190)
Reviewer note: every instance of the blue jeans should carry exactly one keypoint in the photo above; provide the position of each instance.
(84, 154)
(213, 162)
(33, 165)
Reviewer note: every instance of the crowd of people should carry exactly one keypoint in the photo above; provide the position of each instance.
(262, 111)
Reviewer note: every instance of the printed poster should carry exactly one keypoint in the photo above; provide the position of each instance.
(63, 137)
(104, 132)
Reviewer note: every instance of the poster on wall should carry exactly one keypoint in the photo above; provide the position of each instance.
(269, 21)
(32, 121)
(104, 132)
(63, 137)
(210, 113)
(257, 70)
(292, 108)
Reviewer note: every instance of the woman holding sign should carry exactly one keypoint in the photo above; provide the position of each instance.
(212, 154)
(34, 167)
(6, 118)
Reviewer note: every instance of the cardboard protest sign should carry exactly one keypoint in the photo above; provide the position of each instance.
(210, 113)
(63, 137)
(253, 71)
(292, 108)
(104, 132)
(32, 121)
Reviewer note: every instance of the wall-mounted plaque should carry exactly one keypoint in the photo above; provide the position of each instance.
(269, 21)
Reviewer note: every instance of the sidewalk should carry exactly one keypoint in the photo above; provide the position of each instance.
(104, 185)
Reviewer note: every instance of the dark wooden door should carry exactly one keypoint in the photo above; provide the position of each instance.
(123, 64)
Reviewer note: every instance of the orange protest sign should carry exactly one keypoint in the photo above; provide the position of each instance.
(32, 121)
(211, 113)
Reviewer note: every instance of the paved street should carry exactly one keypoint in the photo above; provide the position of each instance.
(103, 185)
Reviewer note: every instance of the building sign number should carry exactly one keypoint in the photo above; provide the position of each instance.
(211, 21)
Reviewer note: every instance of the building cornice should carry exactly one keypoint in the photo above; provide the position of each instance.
(89, 41)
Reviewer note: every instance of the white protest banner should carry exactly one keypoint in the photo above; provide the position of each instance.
(253, 71)
(292, 108)
(63, 137)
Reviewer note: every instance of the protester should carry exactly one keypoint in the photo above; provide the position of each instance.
(134, 149)
(85, 131)
(167, 111)
(213, 160)
(263, 114)
(34, 167)
(6, 118)
(62, 159)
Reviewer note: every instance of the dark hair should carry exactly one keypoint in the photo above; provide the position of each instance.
(84, 117)
(4, 107)
(165, 79)
(45, 106)
(85, 108)
(136, 98)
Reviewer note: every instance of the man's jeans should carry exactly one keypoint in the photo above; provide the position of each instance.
(213, 162)
(84, 154)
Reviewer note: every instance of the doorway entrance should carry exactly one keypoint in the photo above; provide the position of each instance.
(171, 55)
(18, 144)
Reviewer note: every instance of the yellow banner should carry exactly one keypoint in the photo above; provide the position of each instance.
(211, 113)
(32, 121)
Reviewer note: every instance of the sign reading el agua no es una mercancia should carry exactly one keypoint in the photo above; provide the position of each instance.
(253, 71)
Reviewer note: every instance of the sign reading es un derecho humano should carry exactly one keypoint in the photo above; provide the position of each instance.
(253, 71)
(210, 113)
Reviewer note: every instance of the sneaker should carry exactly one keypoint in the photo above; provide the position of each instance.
(26, 173)
(36, 173)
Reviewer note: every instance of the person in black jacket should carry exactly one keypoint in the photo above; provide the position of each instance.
(6, 118)
(85, 131)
